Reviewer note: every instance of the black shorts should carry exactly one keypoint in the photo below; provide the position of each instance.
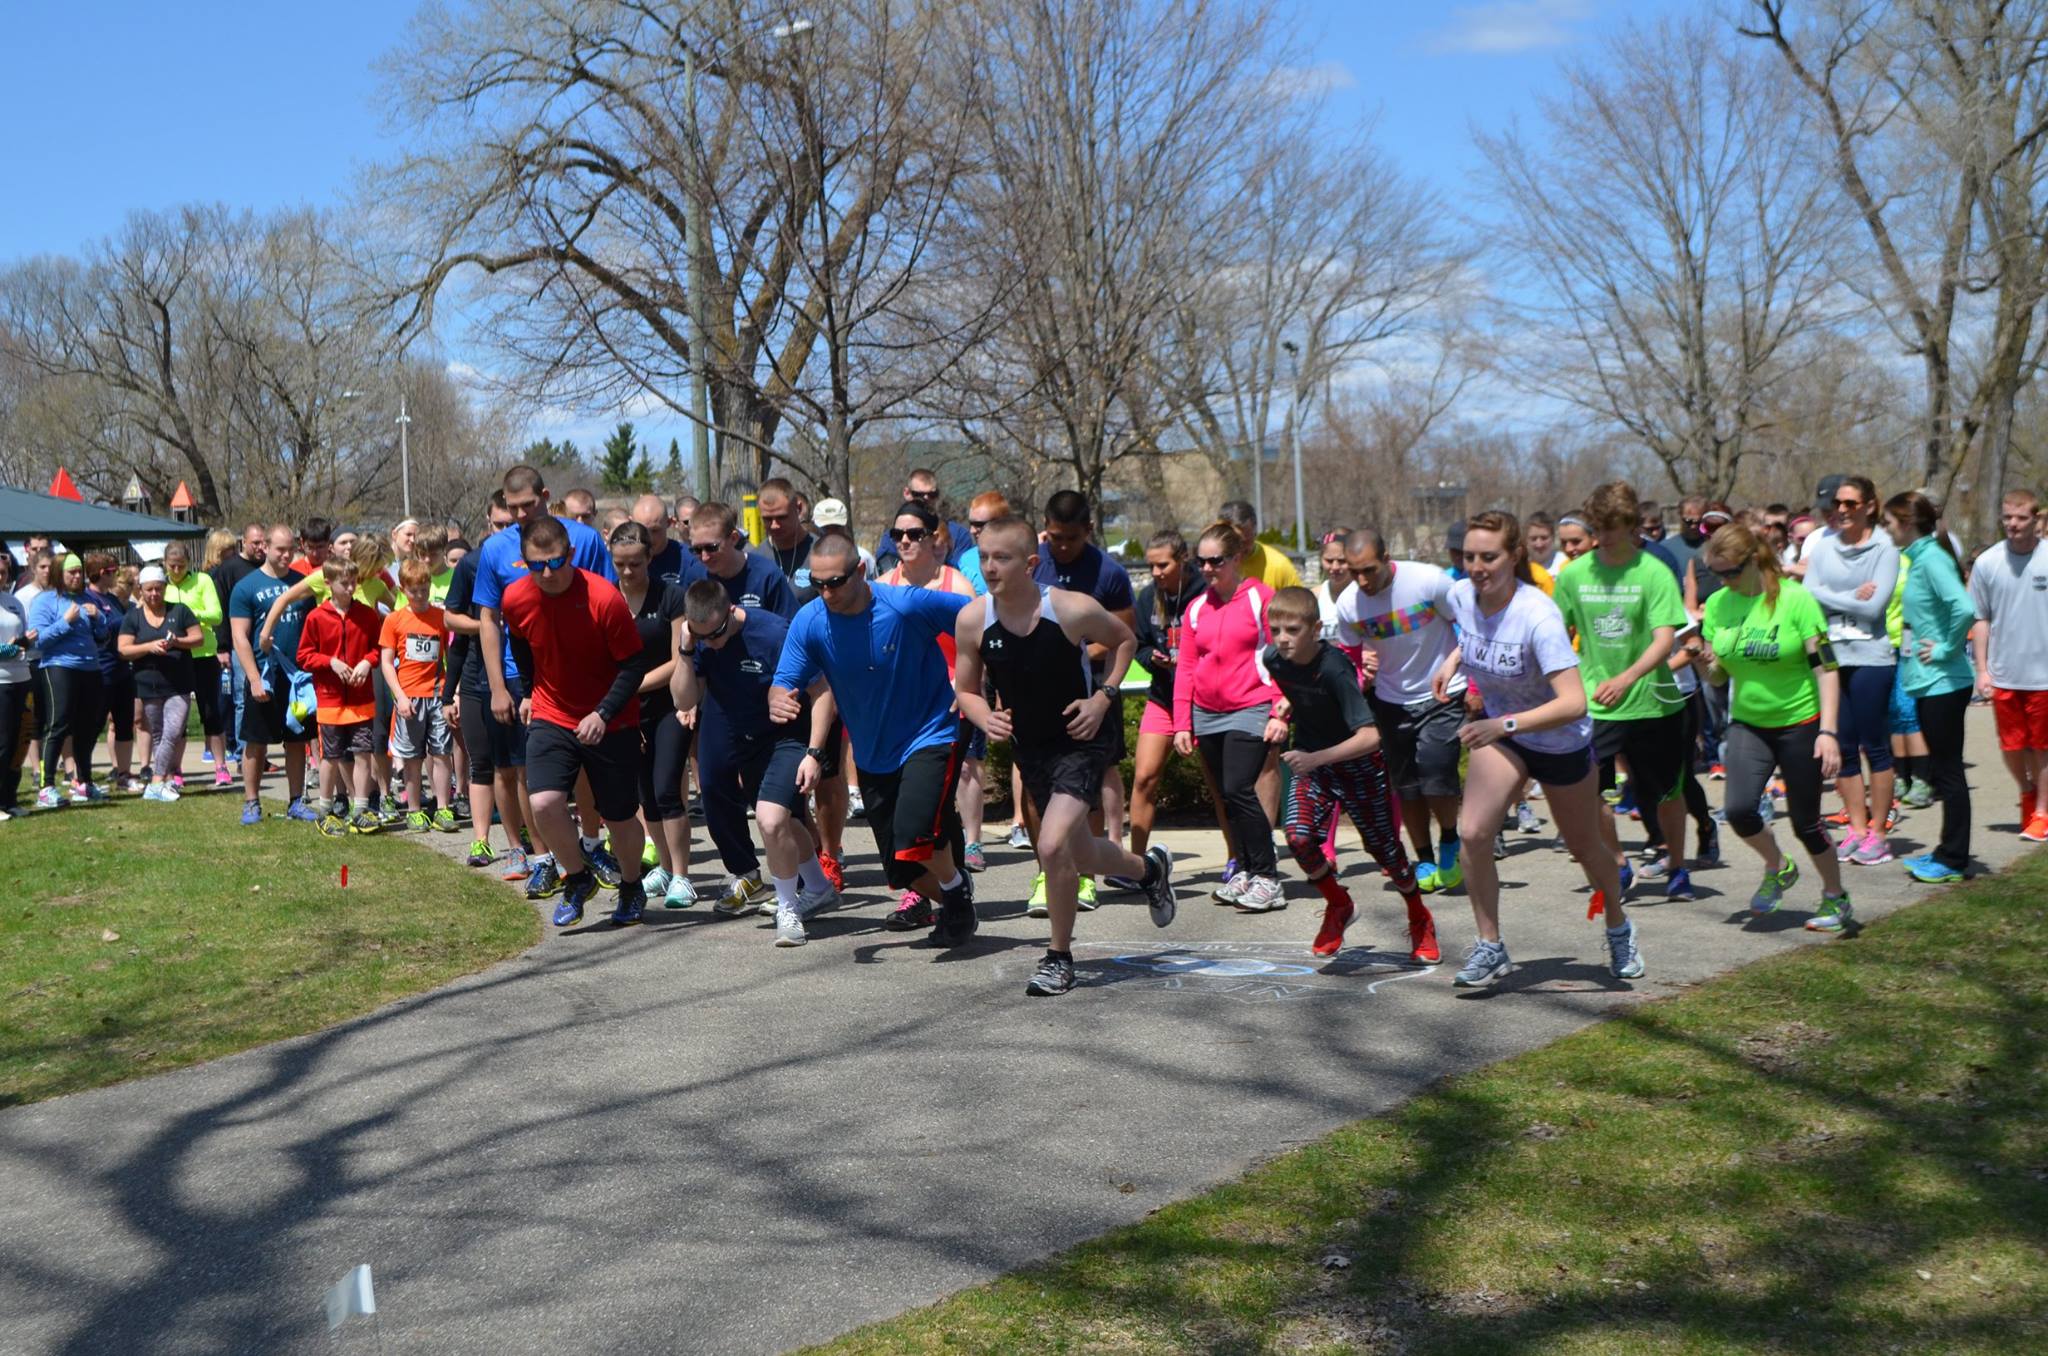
(1064, 765)
(489, 743)
(832, 764)
(1552, 769)
(1421, 745)
(345, 741)
(911, 811)
(554, 756)
(768, 772)
(264, 722)
(1656, 750)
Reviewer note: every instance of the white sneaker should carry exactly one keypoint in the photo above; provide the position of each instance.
(854, 808)
(655, 883)
(1261, 894)
(810, 903)
(682, 893)
(789, 925)
(1232, 889)
(1018, 838)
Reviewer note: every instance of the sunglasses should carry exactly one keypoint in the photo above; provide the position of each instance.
(822, 582)
(907, 534)
(712, 635)
(707, 548)
(1212, 562)
(976, 524)
(922, 496)
(1732, 572)
(548, 566)
(1845, 505)
(1690, 522)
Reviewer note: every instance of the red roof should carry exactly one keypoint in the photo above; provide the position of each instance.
(181, 498)
(62, 486)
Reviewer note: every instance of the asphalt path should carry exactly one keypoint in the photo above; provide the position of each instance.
(679, 1137)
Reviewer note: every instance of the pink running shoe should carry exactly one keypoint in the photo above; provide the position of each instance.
(1873, 850)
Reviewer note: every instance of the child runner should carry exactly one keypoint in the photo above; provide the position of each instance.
(1337, 764)
(338, 648)
(409, 650)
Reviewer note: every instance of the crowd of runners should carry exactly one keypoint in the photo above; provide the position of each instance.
(559, 686)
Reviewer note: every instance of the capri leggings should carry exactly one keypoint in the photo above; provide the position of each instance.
(206, 695)
(74, 699)
(1866, 716)
(1752, 754)
(164, 717)
(1359, 788)
(121, 704)
(667, 742)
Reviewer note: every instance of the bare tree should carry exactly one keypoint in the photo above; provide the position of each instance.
(1673, 244)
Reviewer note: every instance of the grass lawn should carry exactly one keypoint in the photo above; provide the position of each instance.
(137, 938)
(1840, 1150)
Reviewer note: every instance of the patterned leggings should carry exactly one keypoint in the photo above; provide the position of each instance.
(164, 718)
(1361, 789)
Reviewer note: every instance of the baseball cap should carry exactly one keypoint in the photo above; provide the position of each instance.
(830, 513)
(1824, 494)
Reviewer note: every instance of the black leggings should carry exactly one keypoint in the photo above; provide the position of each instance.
(667, 756)
(206, 697)
(13, 742)
(1941, 721)
(1752, 754)
(121, 704)
(74, 698)
(1235, 761)
(1688, 785)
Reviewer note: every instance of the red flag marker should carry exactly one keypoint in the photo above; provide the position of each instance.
(344, 878)
(1594, 908)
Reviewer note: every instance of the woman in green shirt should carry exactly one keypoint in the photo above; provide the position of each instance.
(1767, 634)
(194, 589)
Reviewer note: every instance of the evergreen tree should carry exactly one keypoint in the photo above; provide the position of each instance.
(616, 470)
(672, 474)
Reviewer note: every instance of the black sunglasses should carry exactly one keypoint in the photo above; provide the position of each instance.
(1733, 572)
(1690, 522)
(712, 635)
(1212, 562)
(907, 534)
(1848, 504)
(832, 581)
(709, 548)
(976, 524)
(921, 495)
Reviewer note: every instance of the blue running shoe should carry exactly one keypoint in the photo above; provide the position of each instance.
(1628, 878)
(543, 878)
(1484, 963)
(632, 903)
(1624, 961)
(604, 866)
(1931, 872)
(576, 892)
(1450, 872)
(1680, 888)
(252, 812)
(302, 812)
(1771, 893)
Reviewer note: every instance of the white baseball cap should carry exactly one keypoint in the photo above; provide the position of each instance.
(830, 513)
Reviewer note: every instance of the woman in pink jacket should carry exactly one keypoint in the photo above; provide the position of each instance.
(1221, 701)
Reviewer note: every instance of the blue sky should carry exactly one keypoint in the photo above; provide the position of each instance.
(265, 105)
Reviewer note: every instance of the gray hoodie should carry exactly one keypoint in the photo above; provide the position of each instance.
(1833, 574)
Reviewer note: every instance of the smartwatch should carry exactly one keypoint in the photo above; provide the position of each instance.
(1111, 691)
(1508, 725)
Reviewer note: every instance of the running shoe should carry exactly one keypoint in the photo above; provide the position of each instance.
(1233, 885)
(252, 813)
(1084, 896)
(1449, 873)
(911, 913)
(443, 820)
(515, 864)
(1159, 896)
(1833, 915)
(789, 926)
(974, 859)
(1846, 849)
(957, 919)
(302, 812)
(1035, 906)
(365, 822)
(1628, 878)
(1484, 963)
(682, 893)
(1658, 868)
(1500, 846)
(1918, 795)
(206, 755)
(655, 883)
(159, 792)
(1337, 916)
(544, 879)
(1624, 959)
(741, 896)
(416, 821)
(829, 864)
(334, 826)
(811, 903)
(1261, 894)
(1837, 819)
(49, 798)
(1125, 884)
(1679, 891)
(1709, 853)
(1525, 818)
(604, 866)
(576, 892)
(459, 806)
(1717, 772)
(854, 808)
(1771, 893)
(387, 812)
(1053, 977)
(630, 905)
(79, 794)
(1019, 838)
(1928, 871)
(2036, 830)
(222, 779)
(1422, 947)
(177, 781)
(1873, 850)
(480, 853)
(650, 855)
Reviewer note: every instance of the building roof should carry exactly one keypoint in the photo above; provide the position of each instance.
(80, 524)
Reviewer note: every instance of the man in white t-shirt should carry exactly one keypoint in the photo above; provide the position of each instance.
(2009, 644)
(1395, 619)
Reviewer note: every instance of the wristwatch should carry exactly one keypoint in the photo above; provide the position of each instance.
(1508, 725)
(816, 753)
(1111, 691)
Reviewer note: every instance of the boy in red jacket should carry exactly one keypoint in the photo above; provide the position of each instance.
(338, 650)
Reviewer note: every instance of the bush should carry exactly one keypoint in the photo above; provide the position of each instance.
(1181, 788)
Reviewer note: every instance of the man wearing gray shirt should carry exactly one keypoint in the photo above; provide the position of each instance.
(1852, 570)
(2009, 644)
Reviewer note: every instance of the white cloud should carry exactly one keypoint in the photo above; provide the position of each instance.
(1502, 26)
(1310, 82)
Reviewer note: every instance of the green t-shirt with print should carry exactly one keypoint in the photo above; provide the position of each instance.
(1614, 610)
(1763, 649)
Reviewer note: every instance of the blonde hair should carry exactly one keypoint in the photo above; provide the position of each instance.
(337, 568)
(1296, 604)
(370, 553)
(220, 543)
(1736, 541)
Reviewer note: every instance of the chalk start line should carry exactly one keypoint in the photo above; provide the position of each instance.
(1242, 972)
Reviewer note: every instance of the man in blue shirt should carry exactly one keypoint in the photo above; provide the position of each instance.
(750, 579)
(877, 645)
(267, 677)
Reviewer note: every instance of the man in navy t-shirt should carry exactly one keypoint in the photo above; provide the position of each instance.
(922, 486)
(750, 579)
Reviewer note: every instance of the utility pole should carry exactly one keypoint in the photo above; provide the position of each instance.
(404, 457)
(1294, 442)
(700, 394)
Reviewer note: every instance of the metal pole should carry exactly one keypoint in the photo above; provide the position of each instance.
(700, 395)
(1294, 447)
(404, 456)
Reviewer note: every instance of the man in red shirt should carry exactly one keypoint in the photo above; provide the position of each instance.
(573, 635)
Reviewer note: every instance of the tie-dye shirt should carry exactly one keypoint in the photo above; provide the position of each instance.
(1408, 627)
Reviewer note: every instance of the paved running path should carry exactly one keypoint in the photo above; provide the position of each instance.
(680, 1138)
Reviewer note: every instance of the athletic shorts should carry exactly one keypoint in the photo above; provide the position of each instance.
(554, 756)
(911, 811)
(768, 770)
(975, 750)
(264, 722)
(1656, 749)
(1552, 769)
(1155, 719)
(346, 741)
(1905, 711)
(2022, 718)
(1421, 745)
(1064, 765)
(490, 744)
(419, 727)
(830, 765)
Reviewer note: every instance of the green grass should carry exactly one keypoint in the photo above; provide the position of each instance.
(1842, 1149)
(137, 938)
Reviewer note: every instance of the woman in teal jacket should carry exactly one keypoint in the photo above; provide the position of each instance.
(1934, 658)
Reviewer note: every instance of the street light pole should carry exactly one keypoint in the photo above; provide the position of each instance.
(700, 395)
(1294, 443)
(404, 457)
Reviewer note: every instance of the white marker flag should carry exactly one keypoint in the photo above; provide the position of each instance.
(350, 1295)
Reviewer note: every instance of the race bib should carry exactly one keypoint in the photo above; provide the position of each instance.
(422, 649)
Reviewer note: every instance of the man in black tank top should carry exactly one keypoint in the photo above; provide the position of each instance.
(1032, 644)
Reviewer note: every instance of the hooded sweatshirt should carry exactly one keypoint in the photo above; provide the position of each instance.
(1222, 667)
(1937, 608)
(66, 644)
(1834, 572)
